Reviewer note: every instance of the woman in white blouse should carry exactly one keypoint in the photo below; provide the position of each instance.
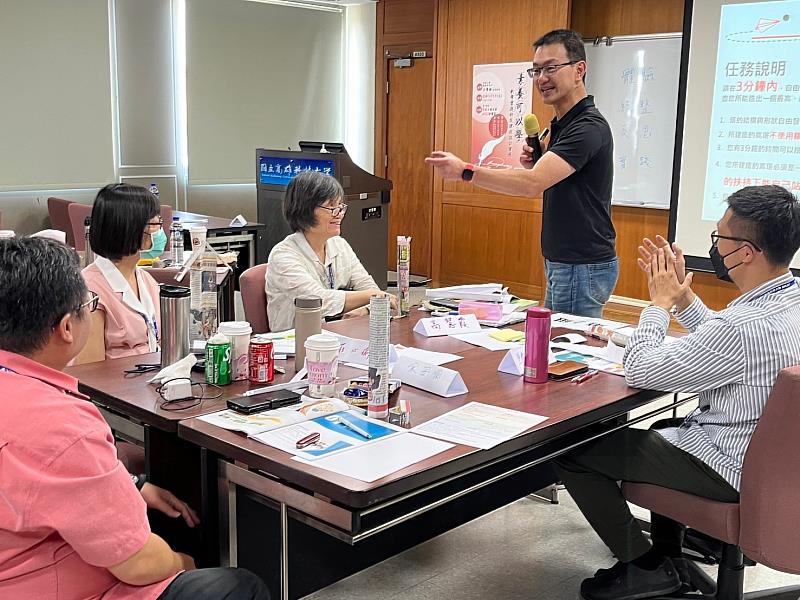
(314, 260)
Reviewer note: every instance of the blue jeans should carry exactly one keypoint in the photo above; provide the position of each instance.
(580, 289)
(219, 583)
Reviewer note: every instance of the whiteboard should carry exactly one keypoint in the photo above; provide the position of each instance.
(634, 81)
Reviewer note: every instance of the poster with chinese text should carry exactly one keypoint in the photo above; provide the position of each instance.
(501, 97)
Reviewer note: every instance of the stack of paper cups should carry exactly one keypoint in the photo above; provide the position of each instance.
(403, 264)
(378, 395)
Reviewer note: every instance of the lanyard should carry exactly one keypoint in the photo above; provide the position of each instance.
(331, 278)
(778, 288)
(152, 325)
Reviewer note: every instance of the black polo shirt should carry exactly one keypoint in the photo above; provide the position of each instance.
(576, 216)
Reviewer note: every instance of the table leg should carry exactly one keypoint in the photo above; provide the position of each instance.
(284, 551)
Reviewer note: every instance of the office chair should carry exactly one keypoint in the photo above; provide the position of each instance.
(254, 297)
(764, 523)
(57, 208)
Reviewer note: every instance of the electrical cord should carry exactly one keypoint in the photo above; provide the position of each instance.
(186, 403)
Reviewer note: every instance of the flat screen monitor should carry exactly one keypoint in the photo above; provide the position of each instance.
(280, 170)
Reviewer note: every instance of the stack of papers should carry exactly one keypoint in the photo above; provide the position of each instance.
(488, 292)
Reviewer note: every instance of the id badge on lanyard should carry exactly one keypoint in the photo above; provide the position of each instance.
(331, 278)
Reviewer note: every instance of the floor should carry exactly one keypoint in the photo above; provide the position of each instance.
(529, 549)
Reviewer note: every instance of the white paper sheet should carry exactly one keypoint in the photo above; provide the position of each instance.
(570, 338)
(428, 356)
(479, 425)
(484, 340)
(381, 458)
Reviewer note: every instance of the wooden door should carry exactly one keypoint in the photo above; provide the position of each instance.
(409, 139)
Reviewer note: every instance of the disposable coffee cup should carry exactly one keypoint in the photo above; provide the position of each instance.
(322, 363)
(239, 333)
(197, 233)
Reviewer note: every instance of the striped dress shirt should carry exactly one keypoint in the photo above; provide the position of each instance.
(731, 358)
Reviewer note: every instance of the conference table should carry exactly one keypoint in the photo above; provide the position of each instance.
(301, 527)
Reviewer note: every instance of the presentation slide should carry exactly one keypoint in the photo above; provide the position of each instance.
(742, 110)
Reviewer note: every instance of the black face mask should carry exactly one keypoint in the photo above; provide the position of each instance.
(718, 262)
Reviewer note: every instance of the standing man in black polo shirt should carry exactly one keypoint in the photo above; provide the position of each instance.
(574, 178)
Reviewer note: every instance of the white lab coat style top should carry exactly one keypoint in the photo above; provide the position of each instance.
(295, 270)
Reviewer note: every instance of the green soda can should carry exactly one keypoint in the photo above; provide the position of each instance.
(218, 360)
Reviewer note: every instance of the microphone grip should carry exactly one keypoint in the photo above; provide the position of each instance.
(533, 142)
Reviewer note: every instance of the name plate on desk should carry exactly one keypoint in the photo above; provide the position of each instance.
(434, 326)
(431, 378)
(513, 362)
(355, 351)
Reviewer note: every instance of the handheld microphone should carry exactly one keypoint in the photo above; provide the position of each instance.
(532, 133)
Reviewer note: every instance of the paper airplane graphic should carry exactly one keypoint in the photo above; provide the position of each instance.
(764, 24)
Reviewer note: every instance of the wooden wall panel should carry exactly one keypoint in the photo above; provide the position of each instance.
(408, 21)
(595, 18)
(491, 245)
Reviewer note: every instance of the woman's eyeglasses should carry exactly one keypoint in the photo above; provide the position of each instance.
(337, 210)
(155, 224)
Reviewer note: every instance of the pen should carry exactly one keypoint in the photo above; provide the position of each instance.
(544, 134)
(353, 427)
(584, 376)
(309, 440)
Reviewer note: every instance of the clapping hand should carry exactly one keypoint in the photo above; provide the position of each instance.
(649, 248)
(663, 282)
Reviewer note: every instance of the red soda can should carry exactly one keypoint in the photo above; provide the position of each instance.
(262, 361)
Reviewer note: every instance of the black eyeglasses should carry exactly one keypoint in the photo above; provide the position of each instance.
(549, 70)
(159, 223)
(715, 237)
(92, 303)
(337, 210)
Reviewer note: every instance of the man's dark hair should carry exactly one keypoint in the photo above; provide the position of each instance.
(40, 282)
(306, 192)
(119, 218)
(768, 216)
(570, 39)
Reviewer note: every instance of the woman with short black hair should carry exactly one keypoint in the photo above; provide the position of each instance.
(125, 220)
(315, 260)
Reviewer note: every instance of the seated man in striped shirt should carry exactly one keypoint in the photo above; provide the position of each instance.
(731, 357)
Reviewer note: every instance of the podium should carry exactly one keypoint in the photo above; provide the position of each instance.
(366, 224)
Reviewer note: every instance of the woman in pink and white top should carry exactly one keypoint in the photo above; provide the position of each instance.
(127, 322)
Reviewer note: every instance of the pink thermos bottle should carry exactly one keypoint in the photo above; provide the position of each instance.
(537, 344)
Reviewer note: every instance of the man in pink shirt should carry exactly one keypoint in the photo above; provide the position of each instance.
(73, 525)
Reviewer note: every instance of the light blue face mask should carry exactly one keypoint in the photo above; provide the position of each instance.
(159, 239)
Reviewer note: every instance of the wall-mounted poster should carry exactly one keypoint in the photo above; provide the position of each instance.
(501, 97)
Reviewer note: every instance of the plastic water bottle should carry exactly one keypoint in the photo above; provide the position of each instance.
(88, 253)
(154, 190)
(176, 235)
